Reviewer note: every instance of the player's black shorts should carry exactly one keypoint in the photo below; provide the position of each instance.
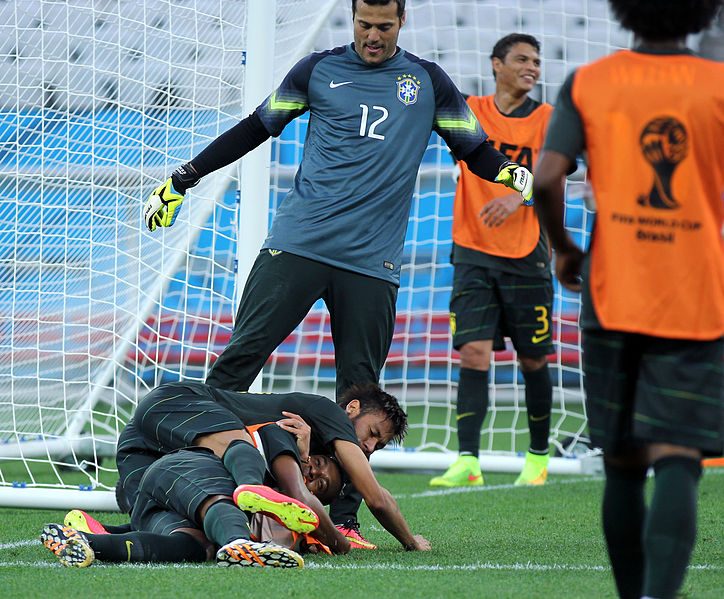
(171, 416)
(642, 389)
(487, 304)
(174, 487)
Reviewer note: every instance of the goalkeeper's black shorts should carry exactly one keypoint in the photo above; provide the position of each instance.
(642, 390)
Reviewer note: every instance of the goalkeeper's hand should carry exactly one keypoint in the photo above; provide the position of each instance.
(164, 205)
(517, 178)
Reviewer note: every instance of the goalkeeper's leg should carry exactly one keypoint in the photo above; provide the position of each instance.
(280, 291)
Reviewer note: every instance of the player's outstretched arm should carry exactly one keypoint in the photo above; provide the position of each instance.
(378, 499)
(488, 163)
(289, 477)
(164, 205)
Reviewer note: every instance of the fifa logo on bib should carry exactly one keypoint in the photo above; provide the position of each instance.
(664, 144)
(407, 89)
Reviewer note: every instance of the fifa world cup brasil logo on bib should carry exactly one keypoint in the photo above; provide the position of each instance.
(664, 144)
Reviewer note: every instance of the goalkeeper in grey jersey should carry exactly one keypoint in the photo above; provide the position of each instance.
(338, 235)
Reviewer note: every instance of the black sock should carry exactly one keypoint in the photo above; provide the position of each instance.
(120, 528)
(624, 512)
(245, 463)
(472, 407)
(140, 546)
(538, 401)
(670, 530)
(225, 522)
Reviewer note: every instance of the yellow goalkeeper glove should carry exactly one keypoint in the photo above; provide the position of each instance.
(164, 205)
(517, 178)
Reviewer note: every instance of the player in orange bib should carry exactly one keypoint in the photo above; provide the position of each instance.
(502, 283)
(650, 122)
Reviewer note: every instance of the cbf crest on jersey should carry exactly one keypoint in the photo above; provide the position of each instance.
(408, 87)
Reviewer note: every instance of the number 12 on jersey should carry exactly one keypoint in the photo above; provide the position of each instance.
(363, 131)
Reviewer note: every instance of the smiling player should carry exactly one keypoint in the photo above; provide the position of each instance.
(502, 279)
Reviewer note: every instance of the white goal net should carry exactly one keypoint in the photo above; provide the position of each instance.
(99, 101)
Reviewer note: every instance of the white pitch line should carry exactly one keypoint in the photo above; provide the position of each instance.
(549, 483)
(485, 488)
(18, 544)
(527, 567)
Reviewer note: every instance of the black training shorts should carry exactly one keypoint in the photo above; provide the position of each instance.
(486, 304)
(174, 487)
(642, 389)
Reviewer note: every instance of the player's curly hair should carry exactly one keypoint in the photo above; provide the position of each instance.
(400, 5)
(372, 398)
(664, 19)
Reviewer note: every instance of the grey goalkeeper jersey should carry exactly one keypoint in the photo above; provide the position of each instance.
(368, 129)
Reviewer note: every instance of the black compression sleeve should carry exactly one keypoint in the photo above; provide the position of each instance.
(231, 145)
(485, 161)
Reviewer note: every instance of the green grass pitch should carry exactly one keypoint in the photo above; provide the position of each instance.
(497, 541)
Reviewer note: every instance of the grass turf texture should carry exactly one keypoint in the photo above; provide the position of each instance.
(496, 541)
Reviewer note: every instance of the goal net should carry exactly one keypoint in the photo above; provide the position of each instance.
(99, 101)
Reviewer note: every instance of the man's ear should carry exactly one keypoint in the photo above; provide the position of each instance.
(402, 18)
(497, 65)
(352, 408)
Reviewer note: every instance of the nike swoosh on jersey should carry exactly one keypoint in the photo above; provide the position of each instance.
(536, 339)
(332, 84)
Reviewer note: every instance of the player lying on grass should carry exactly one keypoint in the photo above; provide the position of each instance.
(182, 414)
(289, 468)
(189, 508)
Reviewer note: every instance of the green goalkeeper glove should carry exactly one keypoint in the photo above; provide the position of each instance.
(164, 205)
(517, 178)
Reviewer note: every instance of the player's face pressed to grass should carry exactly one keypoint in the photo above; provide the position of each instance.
(376, 29)
(322, 477)
(520, 69)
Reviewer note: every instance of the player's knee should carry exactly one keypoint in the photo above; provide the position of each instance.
(530, 364)
(219, 442)
(476, 355)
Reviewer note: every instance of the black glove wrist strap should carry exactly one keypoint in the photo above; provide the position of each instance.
(184, 177)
